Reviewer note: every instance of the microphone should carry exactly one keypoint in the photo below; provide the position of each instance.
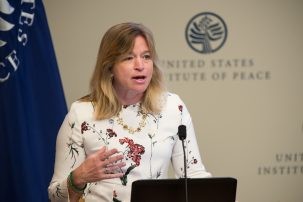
(182, 132)
(182, 136)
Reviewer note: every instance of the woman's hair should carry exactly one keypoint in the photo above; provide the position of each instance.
(117, 41)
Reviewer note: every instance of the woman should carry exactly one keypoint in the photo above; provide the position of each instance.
(126, 128)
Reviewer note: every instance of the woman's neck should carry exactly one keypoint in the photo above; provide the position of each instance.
(130, 98)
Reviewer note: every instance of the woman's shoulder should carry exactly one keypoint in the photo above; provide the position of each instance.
(79, 104)
(172, 98)
(83, 108)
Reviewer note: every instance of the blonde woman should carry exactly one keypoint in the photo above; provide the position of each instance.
(126, 128)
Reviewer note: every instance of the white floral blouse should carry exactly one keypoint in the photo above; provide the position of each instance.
(148, 142)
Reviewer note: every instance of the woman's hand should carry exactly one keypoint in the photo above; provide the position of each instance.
(103, 164)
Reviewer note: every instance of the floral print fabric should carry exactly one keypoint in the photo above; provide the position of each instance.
(148, 148)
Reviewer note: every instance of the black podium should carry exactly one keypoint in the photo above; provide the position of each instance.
(215, 189)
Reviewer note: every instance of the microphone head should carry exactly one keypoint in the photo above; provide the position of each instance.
(182, 132)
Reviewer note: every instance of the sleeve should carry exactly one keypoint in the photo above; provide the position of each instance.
(69, 155)
(194, 164)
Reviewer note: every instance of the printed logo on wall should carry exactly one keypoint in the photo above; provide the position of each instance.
(206, 32)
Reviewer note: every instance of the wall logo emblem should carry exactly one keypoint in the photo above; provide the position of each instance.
(206, 32)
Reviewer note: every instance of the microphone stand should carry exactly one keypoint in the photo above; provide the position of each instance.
(185, 173)
(182, 137)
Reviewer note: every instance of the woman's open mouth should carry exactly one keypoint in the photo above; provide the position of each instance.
(139, 79)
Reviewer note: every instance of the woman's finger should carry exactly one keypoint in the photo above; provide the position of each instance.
(105, 154)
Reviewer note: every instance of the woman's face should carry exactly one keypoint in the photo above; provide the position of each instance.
(133, 72)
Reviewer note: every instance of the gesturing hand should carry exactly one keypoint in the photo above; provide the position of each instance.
(103, 164)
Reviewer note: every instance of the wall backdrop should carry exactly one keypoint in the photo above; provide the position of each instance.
(238, 65)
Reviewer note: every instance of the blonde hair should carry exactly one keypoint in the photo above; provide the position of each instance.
(119, 40)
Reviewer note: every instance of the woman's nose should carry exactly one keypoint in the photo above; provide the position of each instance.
(139, 63)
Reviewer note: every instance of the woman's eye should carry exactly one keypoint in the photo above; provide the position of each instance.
(129, 57)
(146, 57)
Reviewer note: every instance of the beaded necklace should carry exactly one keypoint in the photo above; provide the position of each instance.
(130, 129)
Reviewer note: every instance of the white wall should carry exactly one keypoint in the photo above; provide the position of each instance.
(251, 129)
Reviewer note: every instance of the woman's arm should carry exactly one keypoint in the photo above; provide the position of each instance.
(69, 155)
(73, 168)
(195, 167)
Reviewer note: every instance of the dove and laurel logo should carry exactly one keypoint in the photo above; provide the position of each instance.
(206, 32)
(16, 18)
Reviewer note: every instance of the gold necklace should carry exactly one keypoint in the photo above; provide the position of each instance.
(130, 129)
